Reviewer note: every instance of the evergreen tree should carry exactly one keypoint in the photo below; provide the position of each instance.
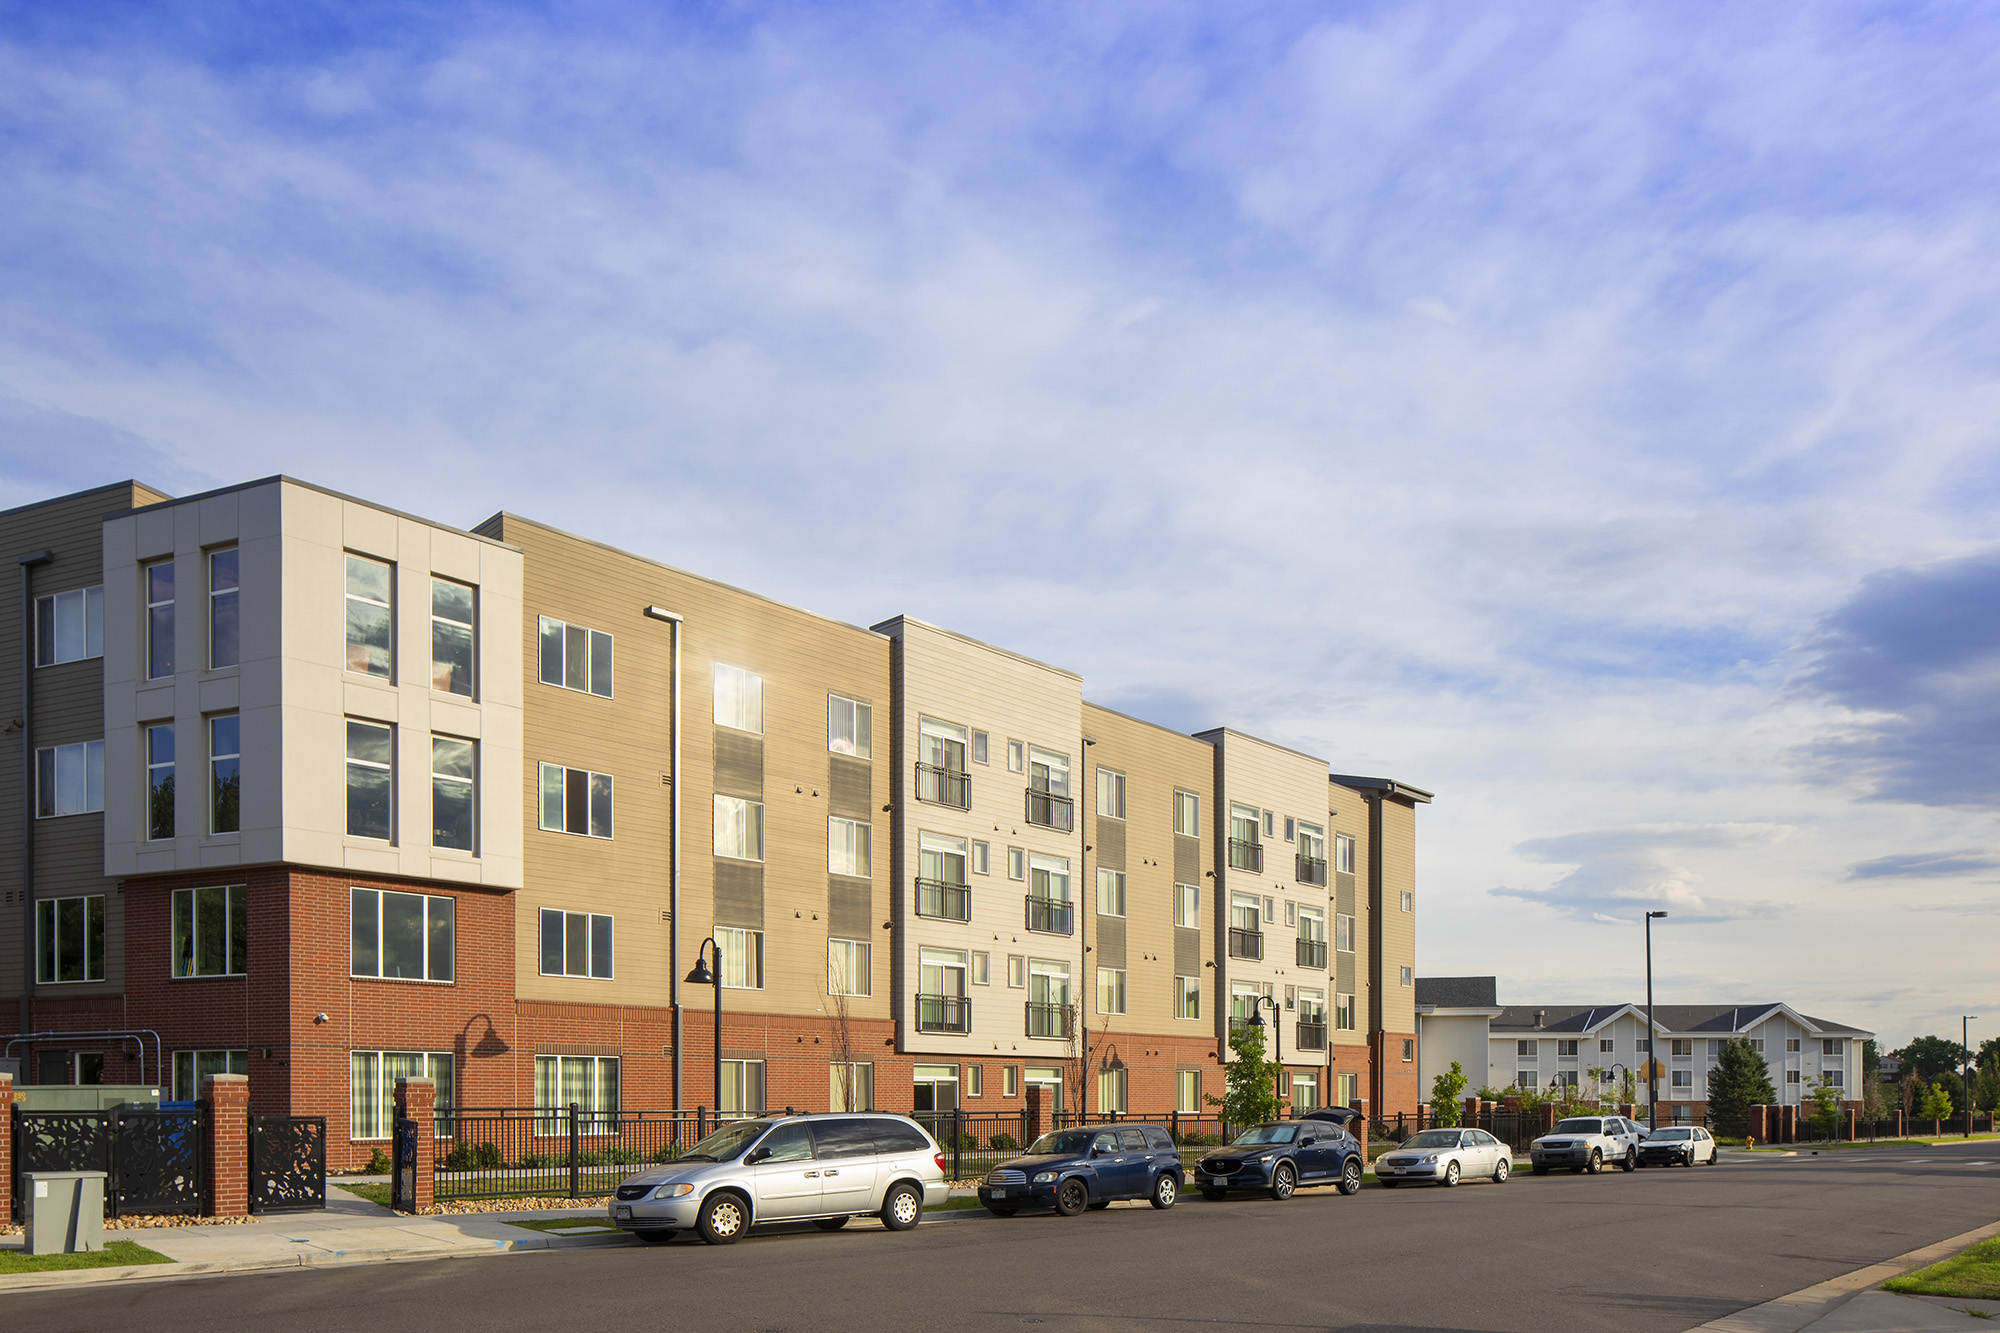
(1248, 1096)
(1739, 1081)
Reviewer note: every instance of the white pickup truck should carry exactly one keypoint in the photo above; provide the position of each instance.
(1588, 1143)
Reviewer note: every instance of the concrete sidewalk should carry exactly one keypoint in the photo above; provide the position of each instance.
(1854, 1303)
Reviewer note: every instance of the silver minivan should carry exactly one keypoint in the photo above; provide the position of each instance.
(818, 1168)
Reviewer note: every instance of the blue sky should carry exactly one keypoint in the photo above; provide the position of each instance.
(1585, 412)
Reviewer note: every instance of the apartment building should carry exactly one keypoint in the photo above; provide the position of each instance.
(329, 794)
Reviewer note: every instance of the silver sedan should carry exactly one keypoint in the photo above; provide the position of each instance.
(1444, 1157)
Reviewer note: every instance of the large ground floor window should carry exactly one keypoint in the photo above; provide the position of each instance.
(1187, 1091)
(587, 1082)
(372, 1079)
(192, 1068)
(1305, 1092)
(742, 1090)
(851, 1087)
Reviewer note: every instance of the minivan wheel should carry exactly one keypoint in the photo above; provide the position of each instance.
(1350, 1177)
(723, 1218)
(1072, 1197)
(1165, 1191)
(829, 1223)
(903, 1209)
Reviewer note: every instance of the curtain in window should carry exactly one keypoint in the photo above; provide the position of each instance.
(365, 1095)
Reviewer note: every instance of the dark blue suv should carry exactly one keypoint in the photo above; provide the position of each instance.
(1281, 1155)
(1074, 1169)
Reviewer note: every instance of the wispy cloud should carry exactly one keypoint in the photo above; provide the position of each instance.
(1923, 865)
(1622, 873)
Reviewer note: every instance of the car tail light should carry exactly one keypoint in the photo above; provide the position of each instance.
(938, 1157)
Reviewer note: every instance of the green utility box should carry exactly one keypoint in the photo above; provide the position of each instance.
(64, 1211)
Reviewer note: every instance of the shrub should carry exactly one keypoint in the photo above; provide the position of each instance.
(1002, 1143)
(666, 1154)
(487, 1157)
(379, 1163)
(459, 1158)
(1194, 1139)
(626, 1157)
(593, 1159)
(535, 1161)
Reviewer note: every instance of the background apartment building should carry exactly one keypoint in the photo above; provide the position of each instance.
(327, 794)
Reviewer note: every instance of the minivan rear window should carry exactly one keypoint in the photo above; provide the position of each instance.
(895, 1136)
(1159, 1140)
(850, 1136)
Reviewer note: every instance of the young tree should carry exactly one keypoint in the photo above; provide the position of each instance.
(1248, 1096)
(1935, 1107)
(1824, 1099)
(1446, 1091)
(1740, 1081)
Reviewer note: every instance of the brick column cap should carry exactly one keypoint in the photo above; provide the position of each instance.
(400, 1082)
(226, 1078)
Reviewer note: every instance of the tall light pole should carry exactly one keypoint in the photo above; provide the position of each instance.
(1965, 1049)
(1277, 1035)
(1652, 1035)
(699, 975)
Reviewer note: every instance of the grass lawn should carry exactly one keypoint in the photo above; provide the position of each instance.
(563, 1224)
(115, 1254)
(377, 1194)
(1972, 1274)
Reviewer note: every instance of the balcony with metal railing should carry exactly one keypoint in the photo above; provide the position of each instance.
(944, 900)
(1312, 953)
(1310, 1035)
(1246, 943)
(944, 786)
(1048, 1020)
(1048, 810)
(944, 1013)
(1050, 916)
(1245, 855)
(1312, 870)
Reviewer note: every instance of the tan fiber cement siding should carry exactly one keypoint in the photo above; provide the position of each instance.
(1399, 928)
(1349, 815)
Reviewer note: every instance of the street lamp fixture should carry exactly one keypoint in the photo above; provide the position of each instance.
(1652, 1034)
(700, 975)
(1277, 1035)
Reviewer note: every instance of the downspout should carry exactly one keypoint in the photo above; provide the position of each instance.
(1378, 1043)
(674, 855)
(29, 563)
(1086, 904)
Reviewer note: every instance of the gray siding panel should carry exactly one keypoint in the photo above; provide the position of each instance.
(1344, 973)
(739, 763)
(1187, 952)
(1111, 844)
(1110, 941)
(1187, 859)
(848, 783)
(850, 911)
(1344, 894)
(739, 895)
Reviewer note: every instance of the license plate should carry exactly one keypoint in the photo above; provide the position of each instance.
(1000, 1194)
(621, 1211)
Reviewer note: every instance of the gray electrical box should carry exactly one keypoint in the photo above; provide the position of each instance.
(65, 1211)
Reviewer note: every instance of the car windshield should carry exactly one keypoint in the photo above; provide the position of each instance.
(1267, 1134)
(1062, 1141)
(1671, 1135)
(727, 1143)
(1580, 1127)
(1432, 1138)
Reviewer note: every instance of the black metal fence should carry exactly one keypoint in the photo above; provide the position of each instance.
(287, 1163)
(558, 1152)
(975, 1143)
(154, 1161)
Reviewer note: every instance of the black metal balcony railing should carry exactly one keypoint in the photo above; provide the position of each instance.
(1050, 810)
(1245, 943)
(944, 786)
(1312, 953)
(1311, 1036)
(943, 899)
(944, 1013)
(1048, 915)
(1312, 870)
(1246, 855)
(1048, 1020)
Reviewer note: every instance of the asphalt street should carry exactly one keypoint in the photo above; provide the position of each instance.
(1660, 1249)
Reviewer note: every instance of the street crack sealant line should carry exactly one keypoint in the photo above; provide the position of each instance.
(1789, 1314)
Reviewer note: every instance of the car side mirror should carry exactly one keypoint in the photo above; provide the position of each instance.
(755, 1155)
(1099, 1152)
(1307, 1143)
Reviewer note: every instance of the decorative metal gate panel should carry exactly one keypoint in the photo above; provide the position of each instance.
(157, 1162)
(287, 1163)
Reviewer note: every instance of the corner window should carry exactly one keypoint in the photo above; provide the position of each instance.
(575, 658)
(225, 774)
(371, 752)
(369, 621)
(742, 958)
(211, 932)
(160, 782)
(69, 626)
(576, 944)
(1187, 814)
(849, 844)
(587, 1082)
(1187, 906)
(192, 1070)
(739, 699)
(849, 967)
(451, 637)
(159, 620)
(452, 803)
(1110, 893)
(1110, 793)
(224, 613)
(401, 936)
(850, 727)
(69, 940)
(69, 780)
(575, 800)
(739, 828)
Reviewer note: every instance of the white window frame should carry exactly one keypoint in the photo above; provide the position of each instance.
(187, 1072)
(850, 966)
(362, 665)
(81, 610)
(442, 782)
(1343, 932)
(441, 904)
(982, 858)
(1010, 1080)
(1111, 1091)
(591, 644)
(742, 957)
(567, 924)
(1187, 1091)
(1110, 793)
(738, 1076)
(1055, 765)
(1187, 813)
(73, 771)
(982, 745)
(590, 780)
(437, 1066)
(849, 847)
(1017, 757)
(1017, 863)
(734, 816)
(599, 1099)
(1187, 906)
(850, 727)
(1343, 853)
(351, 764)
(858, 1093)
(739, 699)
(1110, 892)
(1110, 990)
(1409, 901)
(1187, 997)
(975, 1080)
(444, 624)
(1017, 971)
(1343, 1012)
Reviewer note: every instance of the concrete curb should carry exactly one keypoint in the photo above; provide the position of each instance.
(1789, 1314)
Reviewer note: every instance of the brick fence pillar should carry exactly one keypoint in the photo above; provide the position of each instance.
(1548, 1118)
(416, 1099)
(1036, 1113)
(228, 1098)
(6, 1147)
(1472, 1111)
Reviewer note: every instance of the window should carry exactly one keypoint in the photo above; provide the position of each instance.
(1243, 911)
(1605, 1046)
(975, 1080)
(1187, 905)
(1291, 829)
(1305, 1092)
(848, 844)
(1346, 1088)
(1409, 901)
(982, 859)
(1048, 771)
(1791, 1076)
(193, 1068)
(160, 781)
(1527, 1078)
(160, 620)
(1111, 1091)
(590, 1084)
(371, 750)
(1187, 997)
(1683, 1078)
(742, 1087)
(1187, 1091)
(69, 626)
(1403, 974)
(1016, 761)
(980, 742)
(1270, 908)
(1567, 1048)
(1187, 814)
(225, 774)
(211, 932)
(1048, 877)
(368, 616)
(451, 793)
(1270, 821)
(401, 936)
(69, 940)
(576, 944)
(451, 637)
(849, 967)
(1110, 793)
(575, 658)
(1791, 1044)
(1243, 996)
(850, 727)
(1683, 1046)
(224, 622)
(982, 973)
(1830, 1047)
(739, 828)
(69, 779)
(1835, 1078)
(1312, 846)
(1343, 1013)
(742, 958)
(1343, 932)
(940, 976)
(1756, 1044)
(372, 1079)
(1526, 1049)
(1010, 1080)
(1410, 1053)
(1017, 971)
(1017, 863)
(575, 800)
(1110, 892)
(1110, 990)
(1644, 1046)
(850, 1087)
(739, 699)
(1343, 853)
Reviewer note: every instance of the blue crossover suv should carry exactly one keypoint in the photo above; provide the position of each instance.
(1074, 1169)
(1280, 1156)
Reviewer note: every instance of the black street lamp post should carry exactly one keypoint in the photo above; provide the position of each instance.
(701, 976)
(1652, 1036)
(1277, 1035)
(1965, 1051)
